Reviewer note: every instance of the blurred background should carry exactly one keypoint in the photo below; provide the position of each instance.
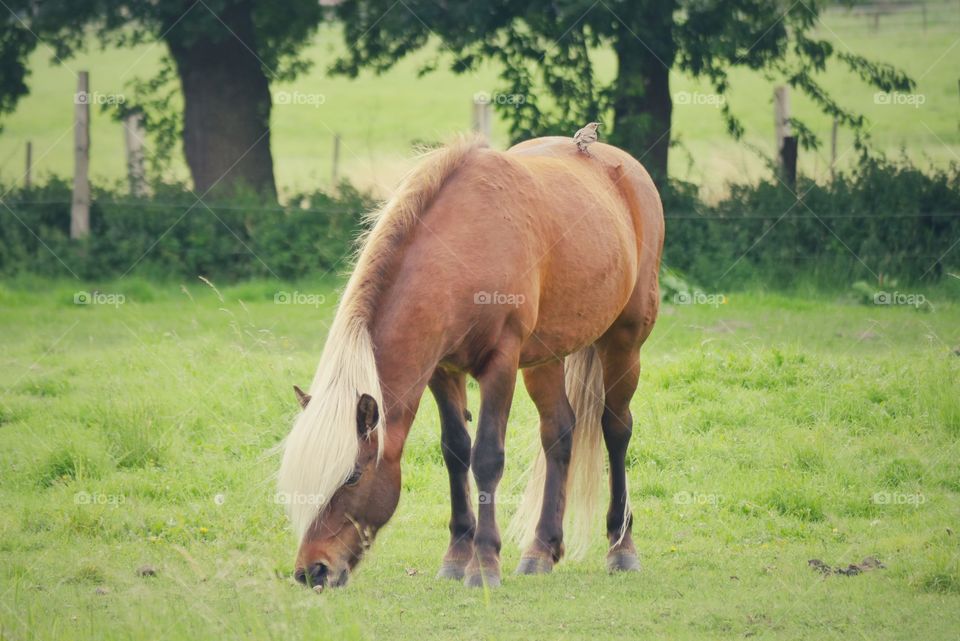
(765, 112)
(392, 103)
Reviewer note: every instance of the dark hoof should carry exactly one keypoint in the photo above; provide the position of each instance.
(479, 580)
(623, 561)
(451, 570)
(534, 565)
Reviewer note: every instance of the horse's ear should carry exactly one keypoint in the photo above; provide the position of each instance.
(367, 415)
(302, 397)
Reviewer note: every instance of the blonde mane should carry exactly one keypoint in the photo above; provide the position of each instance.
(321, 450)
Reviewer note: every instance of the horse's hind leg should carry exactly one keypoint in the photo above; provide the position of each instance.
(545, 384)
(449, 389)
(620, 355)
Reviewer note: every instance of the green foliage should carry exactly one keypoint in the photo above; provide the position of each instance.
(16, 45)
(280, 31)
(157, 100)
(173, 234)
(883, 226)
(219, 48)
(884, 219)
(548, 49)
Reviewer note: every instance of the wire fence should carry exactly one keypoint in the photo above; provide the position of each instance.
(669, 215)
(892, 17)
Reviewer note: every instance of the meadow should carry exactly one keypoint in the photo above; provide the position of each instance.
(137, 436)
(381, 117)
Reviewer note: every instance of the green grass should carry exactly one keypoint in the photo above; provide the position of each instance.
(379, 117)
(769, 431)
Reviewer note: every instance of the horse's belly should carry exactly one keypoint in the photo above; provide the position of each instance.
(589, 281)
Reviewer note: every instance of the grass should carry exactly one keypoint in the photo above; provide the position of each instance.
(770, 431)
(380, 117)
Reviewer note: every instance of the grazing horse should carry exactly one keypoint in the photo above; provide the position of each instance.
(539, 259)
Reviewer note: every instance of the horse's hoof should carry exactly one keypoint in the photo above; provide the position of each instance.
(535, 565)
(451, 570)
(479, 580)
(623, 561)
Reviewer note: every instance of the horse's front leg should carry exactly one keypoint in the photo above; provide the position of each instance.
(497, 381)
(449, 389)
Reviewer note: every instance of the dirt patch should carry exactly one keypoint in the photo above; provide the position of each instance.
(869, 563)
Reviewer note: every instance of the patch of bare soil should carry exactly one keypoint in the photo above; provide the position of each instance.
(869, 563)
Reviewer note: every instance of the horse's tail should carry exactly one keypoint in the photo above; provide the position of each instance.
(584, 384)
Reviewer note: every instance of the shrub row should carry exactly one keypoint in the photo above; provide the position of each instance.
(172, 234)
(883, 220)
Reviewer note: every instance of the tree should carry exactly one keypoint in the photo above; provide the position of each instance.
(547, 48)
(225, 54)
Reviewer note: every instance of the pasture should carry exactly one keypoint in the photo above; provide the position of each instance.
(137, 434)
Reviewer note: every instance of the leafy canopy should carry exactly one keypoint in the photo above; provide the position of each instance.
(547, 47)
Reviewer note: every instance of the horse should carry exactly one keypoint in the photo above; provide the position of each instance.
(539, 259)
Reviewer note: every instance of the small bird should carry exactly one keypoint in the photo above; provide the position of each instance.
(586, 137)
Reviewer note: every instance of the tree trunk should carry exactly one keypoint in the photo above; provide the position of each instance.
(226, 112)
(642, 103)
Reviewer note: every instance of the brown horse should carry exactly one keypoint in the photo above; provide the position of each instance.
(540, 258)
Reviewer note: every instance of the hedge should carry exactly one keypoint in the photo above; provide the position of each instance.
(885, 219)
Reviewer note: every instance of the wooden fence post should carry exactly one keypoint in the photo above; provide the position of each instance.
(786, 144)
(788, 161)
(133, 139)
(80, 205)
(26, 174)
(335, 173)
(482, 116)
(781, 117)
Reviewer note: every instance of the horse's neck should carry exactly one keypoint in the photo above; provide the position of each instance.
(403, 382)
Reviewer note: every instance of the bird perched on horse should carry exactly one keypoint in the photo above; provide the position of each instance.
(586, 136)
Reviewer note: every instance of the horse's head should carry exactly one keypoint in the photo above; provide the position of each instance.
(347, 525)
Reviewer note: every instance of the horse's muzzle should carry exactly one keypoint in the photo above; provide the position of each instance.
(319, 576)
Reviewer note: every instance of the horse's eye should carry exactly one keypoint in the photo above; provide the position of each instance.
(355, 477)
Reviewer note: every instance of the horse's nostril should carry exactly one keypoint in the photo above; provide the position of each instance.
(316, 575)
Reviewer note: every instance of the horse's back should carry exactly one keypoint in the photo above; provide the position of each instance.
(628, 176)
